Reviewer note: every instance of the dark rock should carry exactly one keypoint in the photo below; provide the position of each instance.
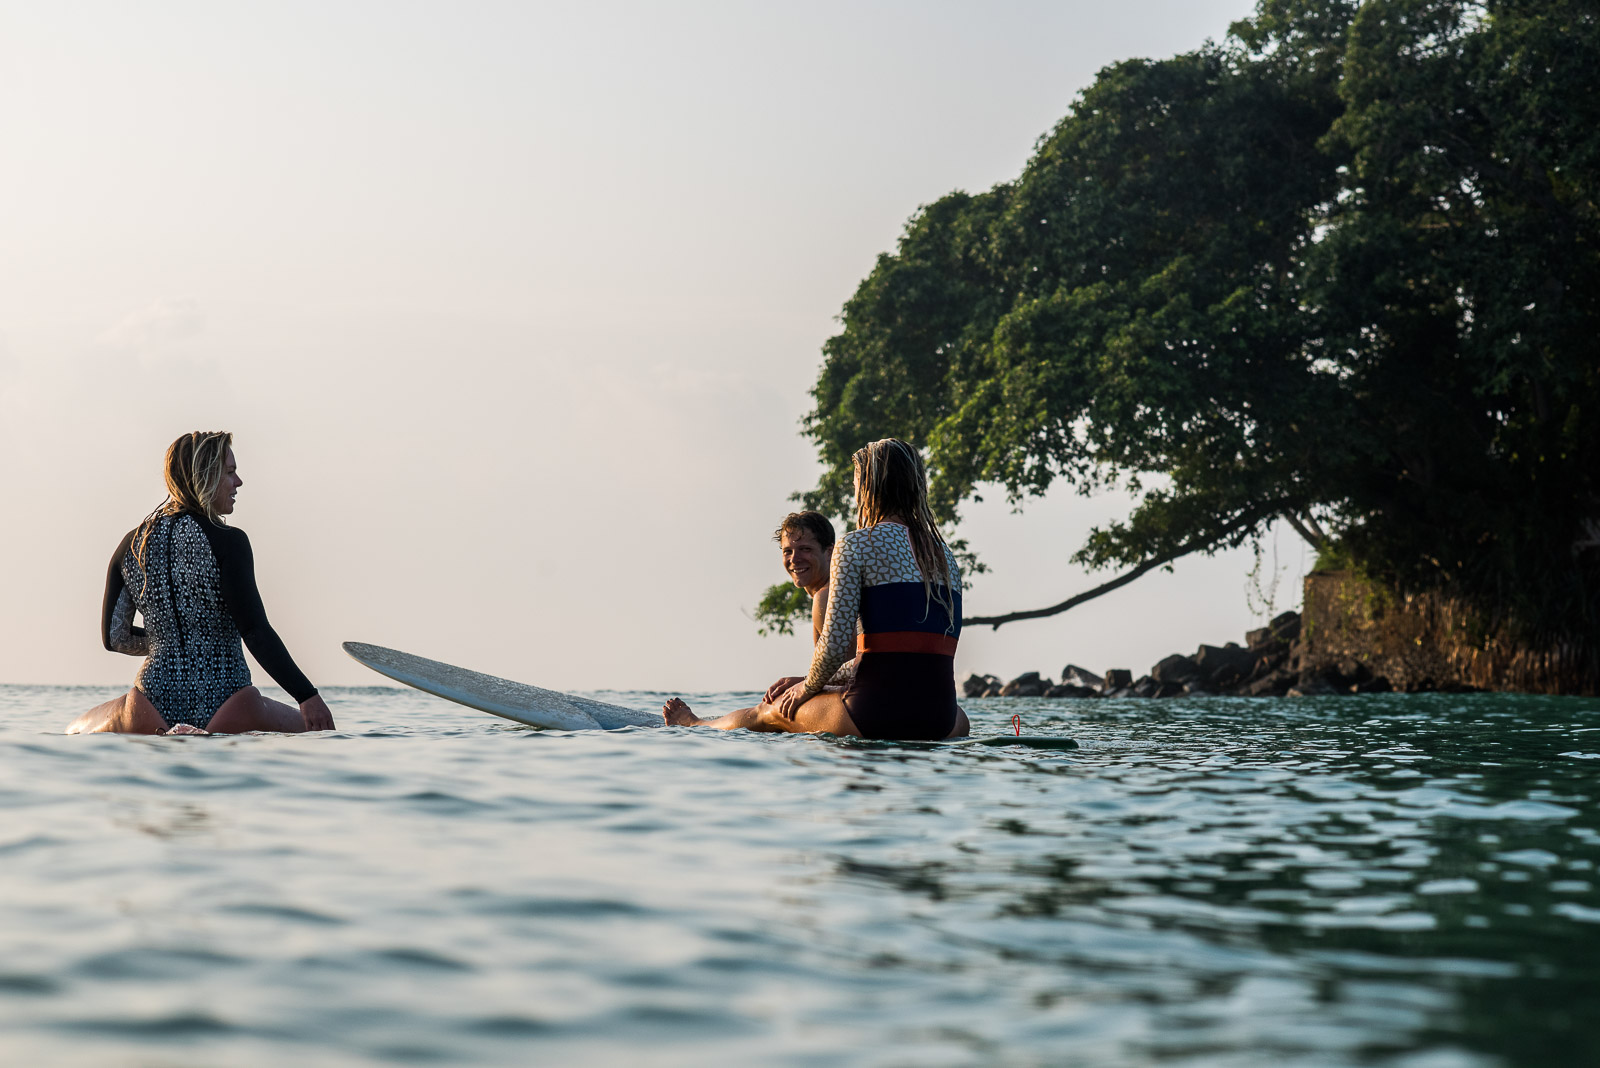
(1145, 687)
(1351, 672)
(1198, 688)
(1175, 668)
(993, 691)
(1025, 685)
(1376, 684)
(1168, 689)
(1118, 679)
(1066, 690)
(1285, 628)
(1258, 637)
(1268, 659)
(978, 685)
(1073, 675)
(1121, 691)
(1310, 684)
(1271, 684)
(1224, 667)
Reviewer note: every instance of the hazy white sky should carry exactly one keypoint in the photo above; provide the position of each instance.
(513, 308)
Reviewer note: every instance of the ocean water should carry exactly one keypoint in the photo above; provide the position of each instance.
(1385, 879)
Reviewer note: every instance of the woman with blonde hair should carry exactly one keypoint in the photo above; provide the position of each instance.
(896, 575)
(192, 578)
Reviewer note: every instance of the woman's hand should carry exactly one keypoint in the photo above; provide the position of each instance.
(315, 711)
(787, 705)
(776, 689)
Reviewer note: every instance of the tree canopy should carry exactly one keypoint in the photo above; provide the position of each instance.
(1342, 268)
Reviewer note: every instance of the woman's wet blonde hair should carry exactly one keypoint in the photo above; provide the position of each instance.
(891, 480)
(194, 468)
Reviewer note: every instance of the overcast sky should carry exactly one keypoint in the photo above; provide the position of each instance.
(513, 309)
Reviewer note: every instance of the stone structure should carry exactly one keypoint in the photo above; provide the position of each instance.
(1429, 642)
(1352, 638)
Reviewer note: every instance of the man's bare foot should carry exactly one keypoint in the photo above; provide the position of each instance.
(678, 714)
(184, 728)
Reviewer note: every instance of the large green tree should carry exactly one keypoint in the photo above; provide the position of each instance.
(1342, 269)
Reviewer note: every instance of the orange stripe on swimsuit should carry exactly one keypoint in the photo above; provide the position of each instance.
(906, 641)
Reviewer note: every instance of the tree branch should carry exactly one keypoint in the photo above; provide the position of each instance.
(1072, 602)
(1115, 584)
(1305, 529)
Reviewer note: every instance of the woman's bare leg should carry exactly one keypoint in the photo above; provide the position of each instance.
(248, 710)
(131, 713)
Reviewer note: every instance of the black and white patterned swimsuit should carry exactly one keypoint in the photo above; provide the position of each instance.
(197, 592)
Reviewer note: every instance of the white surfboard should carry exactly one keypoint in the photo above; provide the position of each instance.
(501, 697)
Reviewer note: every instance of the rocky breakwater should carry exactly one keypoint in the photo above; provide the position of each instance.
(1272, 662)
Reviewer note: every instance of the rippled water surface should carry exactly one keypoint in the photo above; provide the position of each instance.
(1383, 879)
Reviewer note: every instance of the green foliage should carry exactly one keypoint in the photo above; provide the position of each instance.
(1345, 265)
(780, 606)
(1335, 556)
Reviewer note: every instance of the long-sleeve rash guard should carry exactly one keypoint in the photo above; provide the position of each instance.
(196, 590)
(874, 576)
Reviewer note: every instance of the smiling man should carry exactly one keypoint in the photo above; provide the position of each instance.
(806, 539)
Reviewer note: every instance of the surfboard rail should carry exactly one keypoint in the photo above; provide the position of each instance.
(518, 701)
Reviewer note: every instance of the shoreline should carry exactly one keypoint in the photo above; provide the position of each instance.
(1274, 661)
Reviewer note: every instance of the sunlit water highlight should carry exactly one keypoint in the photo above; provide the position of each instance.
(1369, 880)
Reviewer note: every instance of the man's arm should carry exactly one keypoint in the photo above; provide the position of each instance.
(819, 613)
(841, 678)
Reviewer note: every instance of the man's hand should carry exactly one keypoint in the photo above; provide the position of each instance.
(315, 711)
(776, 689)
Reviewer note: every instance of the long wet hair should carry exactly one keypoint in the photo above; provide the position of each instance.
(891, 480)
(194, 468)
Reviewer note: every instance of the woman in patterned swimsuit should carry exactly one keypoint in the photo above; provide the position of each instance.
(193, 580)
(897, 576)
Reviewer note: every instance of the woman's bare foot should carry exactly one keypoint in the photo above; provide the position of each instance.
(185, 728)
(678, 714)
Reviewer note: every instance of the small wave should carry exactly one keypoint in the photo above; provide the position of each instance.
(27, 984)
(175, 1025)
(153, 963)
(553, 907)
(508, 1026)
(413, 957)
(285, 912)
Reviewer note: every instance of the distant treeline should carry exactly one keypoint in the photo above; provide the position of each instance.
(1342, 268)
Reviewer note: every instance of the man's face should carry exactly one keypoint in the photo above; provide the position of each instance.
(803, 559)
